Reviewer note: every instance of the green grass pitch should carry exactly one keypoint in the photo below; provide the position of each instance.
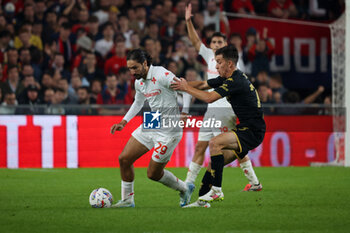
(293, 200)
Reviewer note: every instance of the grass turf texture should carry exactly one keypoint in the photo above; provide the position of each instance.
(293, 200)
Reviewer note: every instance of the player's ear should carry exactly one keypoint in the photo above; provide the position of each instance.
(144, 63)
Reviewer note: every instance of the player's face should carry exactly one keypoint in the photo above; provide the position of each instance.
(217, 42)
(222, 66)
(138, 70)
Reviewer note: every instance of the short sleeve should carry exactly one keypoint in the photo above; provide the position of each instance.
(206, 53)
(215, 82)
(229, 87)
(166, 77)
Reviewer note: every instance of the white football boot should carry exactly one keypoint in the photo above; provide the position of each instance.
(198, 203)
(212, 195)
(185, 197)
(126, 203)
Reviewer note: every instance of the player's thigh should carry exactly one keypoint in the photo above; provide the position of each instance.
(133, 150)
(226, 141)
(164, 148)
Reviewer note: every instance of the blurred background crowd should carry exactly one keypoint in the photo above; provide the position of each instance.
(58, 52)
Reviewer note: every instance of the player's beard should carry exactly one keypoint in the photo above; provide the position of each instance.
(142, 74)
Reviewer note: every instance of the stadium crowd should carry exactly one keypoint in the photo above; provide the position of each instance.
(57, 52)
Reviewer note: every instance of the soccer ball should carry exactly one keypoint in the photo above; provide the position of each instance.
(101, 198)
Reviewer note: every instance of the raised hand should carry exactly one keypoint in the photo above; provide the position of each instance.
(188, 13)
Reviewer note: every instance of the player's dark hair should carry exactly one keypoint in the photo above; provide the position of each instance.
(140, 56)
(217, 34)
(228, 52)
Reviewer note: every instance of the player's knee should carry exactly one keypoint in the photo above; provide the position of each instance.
(123, 160)
(200, 148)
(214, 147)
(152, 175)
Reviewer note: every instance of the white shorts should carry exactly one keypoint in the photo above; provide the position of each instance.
(228, 122)
(164, 145)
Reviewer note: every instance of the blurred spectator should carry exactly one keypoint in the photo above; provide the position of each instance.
(236, 40)
(102, 13)
(111, 94)
(157, 13)
(243, 7)
(212, 15)
(40, 9)
(260, 54)
(31, 97)
(88, 68)
(11, 57)
(51, 26)
(264, 93)
(27, 40)
(125, 86)
(84, 46)
(70, 96)
(96, 89)
(83, 95)
(114, 63)
(172, 66)
(49, 94)
(180, 9)
(9, 103)
(276, 85)
(12, 83)
(282, 9)
(58, 65)
(167, 9)
(192, 62)
(5, 38)
(167, 32)
(64, 45)
(152, 31)
(135, 41)
(46, 83)
(125, 30)
(198, 22)
(139, 24)
(27, 81)
(104, 45)
(82, 21)
(92, 28)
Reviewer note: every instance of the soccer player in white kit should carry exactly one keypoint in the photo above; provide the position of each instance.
(152, 84)
(219, 110)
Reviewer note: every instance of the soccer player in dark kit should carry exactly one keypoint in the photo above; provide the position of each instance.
(243, 97)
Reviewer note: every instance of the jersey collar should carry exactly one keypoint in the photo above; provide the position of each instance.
(150, 71)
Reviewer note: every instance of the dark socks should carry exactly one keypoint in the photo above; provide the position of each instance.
(217, 166)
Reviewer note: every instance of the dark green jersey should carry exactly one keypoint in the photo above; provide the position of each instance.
(242, 96)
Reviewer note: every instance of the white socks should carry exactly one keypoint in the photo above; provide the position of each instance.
(249, 172)
(127, 190)
(193, 171)
(168, 179)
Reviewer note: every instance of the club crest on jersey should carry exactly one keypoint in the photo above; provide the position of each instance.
(151, 120)
(154, 80)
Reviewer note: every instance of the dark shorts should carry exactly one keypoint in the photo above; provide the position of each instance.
(248, 139)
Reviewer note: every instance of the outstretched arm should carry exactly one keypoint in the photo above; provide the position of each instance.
(192, 34)
(208, 97)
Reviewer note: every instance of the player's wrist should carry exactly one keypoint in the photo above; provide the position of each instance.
(123, 122)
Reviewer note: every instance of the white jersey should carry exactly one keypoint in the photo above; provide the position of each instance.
(209, 57)
(157, 91)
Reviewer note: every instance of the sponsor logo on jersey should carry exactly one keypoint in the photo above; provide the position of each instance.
(153, 93)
